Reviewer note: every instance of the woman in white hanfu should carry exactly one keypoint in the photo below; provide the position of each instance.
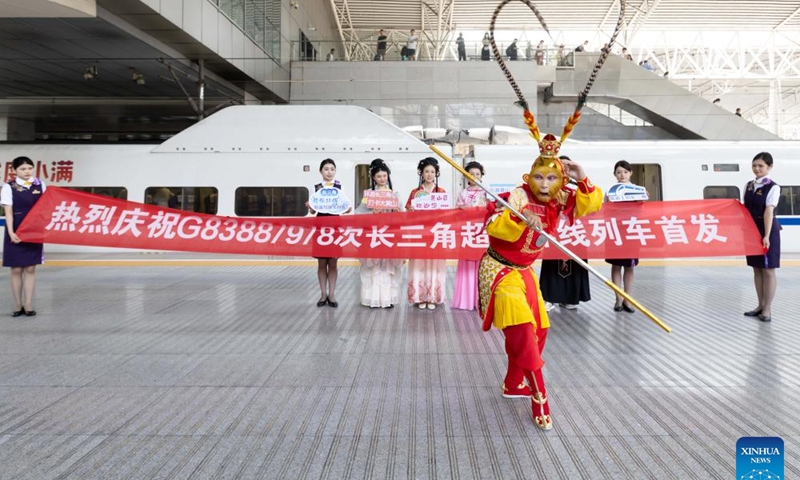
(381, 278)
(426, 277)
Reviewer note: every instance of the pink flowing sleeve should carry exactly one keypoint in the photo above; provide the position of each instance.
(462, 200)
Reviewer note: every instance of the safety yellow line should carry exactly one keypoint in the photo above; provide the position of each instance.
(355, 263)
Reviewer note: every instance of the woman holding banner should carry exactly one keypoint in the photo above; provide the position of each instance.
(465, 294)
(426, 277)
(622, 268)
(18, 198)
(381, 279)
(761, 196)
(327, 267)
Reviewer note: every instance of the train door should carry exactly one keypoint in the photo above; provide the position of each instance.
(362, 182)
(648, 175)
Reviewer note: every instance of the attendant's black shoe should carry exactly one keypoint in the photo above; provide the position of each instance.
(390, 306)
(18, 313)
(764, 318)
(617, 308)
(753, 313)
(333, 304)
(322, 303)
(627, 308)
(30, 313)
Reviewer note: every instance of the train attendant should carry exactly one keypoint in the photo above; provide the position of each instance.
(327, 269)
(426, 277)
(509, 291)
(622, 268)
(381, 278)
(465, 296)
(18, 197)
(760, 198)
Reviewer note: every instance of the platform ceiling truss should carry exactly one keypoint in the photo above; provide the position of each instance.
(693, 15)
(764, 78)
(438, 29)
(641, 15)
(712, 47)
(736, 60)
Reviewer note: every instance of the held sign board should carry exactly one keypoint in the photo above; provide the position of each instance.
(381, 200)
(431, 201)
(329, 200)
(626, 192)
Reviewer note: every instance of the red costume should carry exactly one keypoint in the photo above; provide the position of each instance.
(509, 291)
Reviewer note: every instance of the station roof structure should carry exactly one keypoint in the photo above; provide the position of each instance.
(747, 52)
(44, 62)
(582, 14)
(118, 69)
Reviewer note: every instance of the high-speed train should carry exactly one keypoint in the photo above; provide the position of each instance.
(264, 160)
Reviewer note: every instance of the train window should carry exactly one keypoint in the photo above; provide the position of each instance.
(648, 175)
(726, 167)
(189, 199)
(789, 203)
(271, 201)
(729, 191)
(113, 192)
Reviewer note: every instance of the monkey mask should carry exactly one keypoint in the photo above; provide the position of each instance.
(547, 176)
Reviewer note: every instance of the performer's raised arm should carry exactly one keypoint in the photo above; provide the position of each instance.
(588, 197)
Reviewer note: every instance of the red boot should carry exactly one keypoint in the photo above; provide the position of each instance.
(520, 391)
(540, 410)
(514, 383)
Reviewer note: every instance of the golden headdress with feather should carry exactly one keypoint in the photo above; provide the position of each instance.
(549, 144)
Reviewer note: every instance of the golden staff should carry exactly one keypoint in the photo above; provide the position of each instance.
(558, 245)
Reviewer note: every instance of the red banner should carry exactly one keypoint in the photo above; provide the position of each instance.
(692, 228)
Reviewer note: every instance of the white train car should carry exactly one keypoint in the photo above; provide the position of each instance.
(264, 160)
(243, 161)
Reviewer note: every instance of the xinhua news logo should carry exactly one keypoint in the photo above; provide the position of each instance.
(759, 458)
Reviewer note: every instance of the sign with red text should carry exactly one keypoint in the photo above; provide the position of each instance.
(381, 200)
(692, 228)
(56, 172)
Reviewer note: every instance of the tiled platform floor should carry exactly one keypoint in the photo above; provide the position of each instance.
(233, 372)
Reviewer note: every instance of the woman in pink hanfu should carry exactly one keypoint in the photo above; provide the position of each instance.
(426, 277)
(465, 296)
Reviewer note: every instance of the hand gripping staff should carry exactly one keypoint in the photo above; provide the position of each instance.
(556, 243)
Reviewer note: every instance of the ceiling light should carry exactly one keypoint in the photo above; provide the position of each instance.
(90, 73)
(138, 77)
